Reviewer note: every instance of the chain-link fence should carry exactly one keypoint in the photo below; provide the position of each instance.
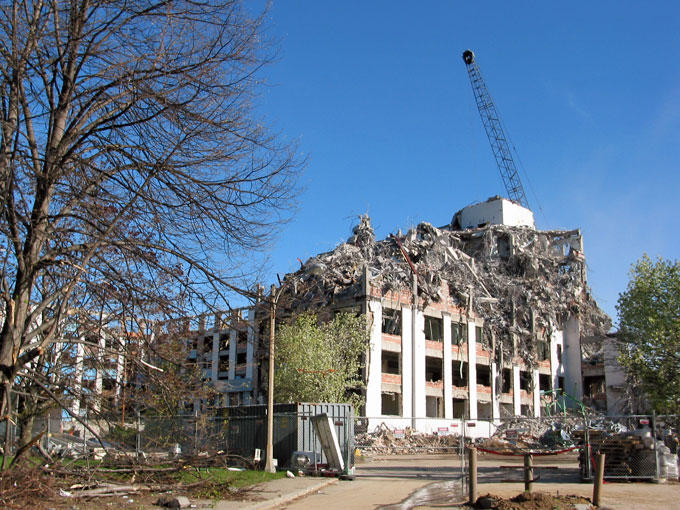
(635, 447)
(183, 434)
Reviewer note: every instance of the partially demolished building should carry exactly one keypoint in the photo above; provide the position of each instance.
(479, 319)
(471, 320)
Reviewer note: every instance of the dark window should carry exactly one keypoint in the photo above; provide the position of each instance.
(560, 383)
(543, 350)
(483, 375)
(459, 374)
(433, 369)
(390, 404)
(559, 353)
(479, 334)
(433, 329)
(390, 363)
(458, 333)
(524, 381)
(391, 321)
(507, 381)
(544, 382)
(459, 407)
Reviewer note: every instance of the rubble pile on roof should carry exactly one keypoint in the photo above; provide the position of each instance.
(518, 279)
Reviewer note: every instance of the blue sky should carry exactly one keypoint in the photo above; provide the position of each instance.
(377, 95)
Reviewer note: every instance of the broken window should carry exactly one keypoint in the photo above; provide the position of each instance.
(544, 382)
(543, 349)
(560, 383)
(559, 353)
(434, 407)
(433, 369)
(524, 381)
(525, 410)
(507, 381)
(479, 334)
(434, 329)
(458, 333)
(483, 375)
(241, 358)
(390, 404)
(391, 321)
(484, 411)
(242, 339)
(390, 363)
(459, 407)
(459, 374)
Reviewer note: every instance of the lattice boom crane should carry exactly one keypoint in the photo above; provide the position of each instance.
(494, 131)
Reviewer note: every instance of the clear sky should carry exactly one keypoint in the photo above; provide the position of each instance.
(377, 95)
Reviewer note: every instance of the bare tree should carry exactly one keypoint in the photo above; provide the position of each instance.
(135, 178)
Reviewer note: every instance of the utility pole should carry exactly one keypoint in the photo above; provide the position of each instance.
(269, 462)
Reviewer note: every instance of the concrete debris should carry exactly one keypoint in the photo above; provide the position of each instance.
(522, 282)
(173, 502)
(384, 441)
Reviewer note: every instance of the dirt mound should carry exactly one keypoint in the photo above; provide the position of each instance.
(530, 501)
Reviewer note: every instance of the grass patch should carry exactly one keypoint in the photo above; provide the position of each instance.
(220, 475)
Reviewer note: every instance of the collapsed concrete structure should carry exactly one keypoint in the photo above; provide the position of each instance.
(464, 322)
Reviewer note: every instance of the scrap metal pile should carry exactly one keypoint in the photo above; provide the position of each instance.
(518, 279)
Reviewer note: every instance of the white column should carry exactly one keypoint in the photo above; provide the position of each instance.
(233, 338)
(78, 377)
(448, 378)
(406, 362)
(419, 383)
(495, 403)
(250, 349)
(374, 368)
(472, 370)
(120, 368)
(98, 374)
(556, 367)
(516, 400)
(572, 359)
(537, 393)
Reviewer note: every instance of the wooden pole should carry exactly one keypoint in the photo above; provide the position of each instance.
(269, 458)
(472, 462)
(599, 478)
(528, 472)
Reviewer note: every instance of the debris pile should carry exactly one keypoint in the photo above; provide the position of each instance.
(630, 455)
(386, 442)
(534, 435)
(521, 281)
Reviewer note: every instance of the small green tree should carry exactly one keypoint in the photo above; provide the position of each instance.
(649, 329)
(321, 362)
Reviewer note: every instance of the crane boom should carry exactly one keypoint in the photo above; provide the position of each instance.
(494, 132)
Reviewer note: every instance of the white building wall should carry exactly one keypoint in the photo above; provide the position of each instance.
(571, 357)
(419, 374)
(536, 393)
(495, 404)
(472, 370)
(233, 338)
(496, 212)
(516, 397)
(374, 384)
(215, 356)
(448, 377)
(406, 362)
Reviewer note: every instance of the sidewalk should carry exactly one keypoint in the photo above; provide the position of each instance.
(278, 492)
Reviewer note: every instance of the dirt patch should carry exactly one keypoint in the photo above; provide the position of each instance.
(530, 501)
